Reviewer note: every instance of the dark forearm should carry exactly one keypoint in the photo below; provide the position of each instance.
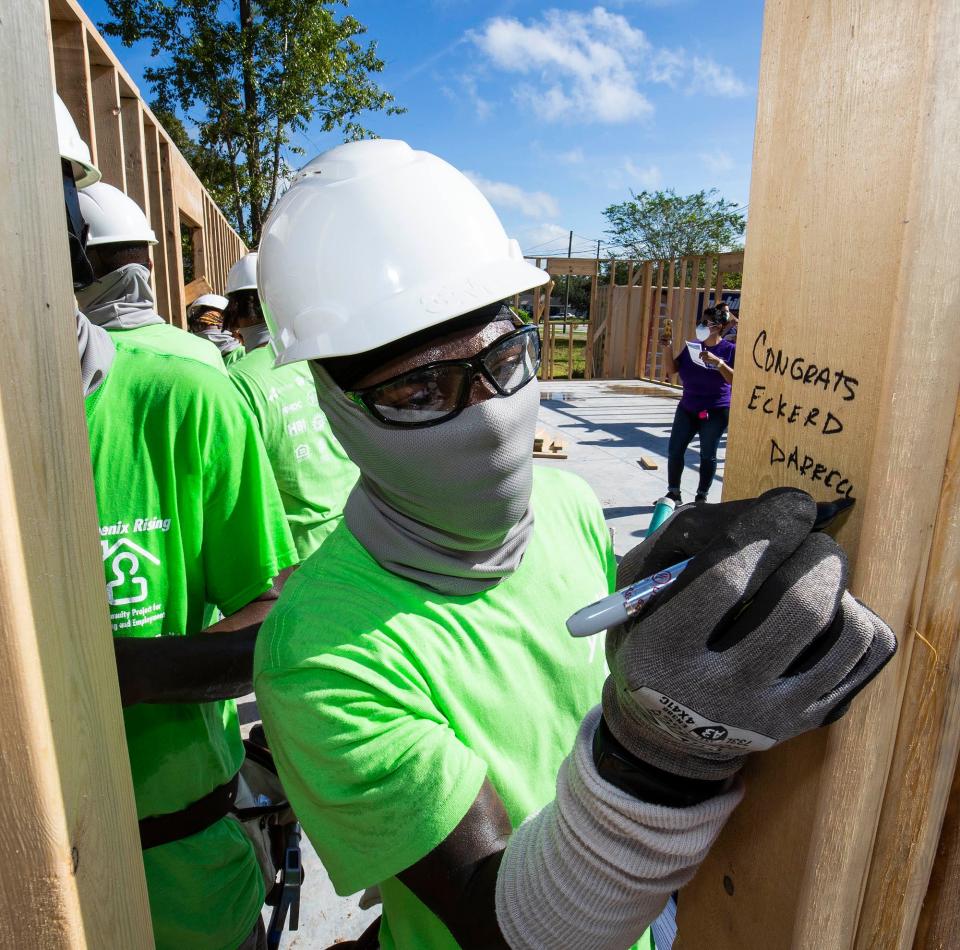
(215, 664)
(195, 669)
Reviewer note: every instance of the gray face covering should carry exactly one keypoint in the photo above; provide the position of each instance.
(96, 351)
(254, 336)
(120, 300)
(447, 506)
(223, 341)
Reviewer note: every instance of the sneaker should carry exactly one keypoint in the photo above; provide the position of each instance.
(700, 497)
(674, 496)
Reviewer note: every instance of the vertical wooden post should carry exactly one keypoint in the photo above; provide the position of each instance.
(591, 325)
(828, 825)
(174, 247)
(157, 219)
(105, 88)
(72, 876)
(671, 277)
(72, 64)
(631, 336)
(640, 359)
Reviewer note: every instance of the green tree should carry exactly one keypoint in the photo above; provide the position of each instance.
(244, 76)
(662, 225)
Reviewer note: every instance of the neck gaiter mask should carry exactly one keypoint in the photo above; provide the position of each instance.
(447, 506)
(254, 336)
(120, 300)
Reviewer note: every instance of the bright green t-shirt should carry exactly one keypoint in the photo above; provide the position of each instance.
(190, 518)
(388, 704)
(165, 338)
(313, 472)
(234, 356)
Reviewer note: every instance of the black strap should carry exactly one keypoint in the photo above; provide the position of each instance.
(620, 767)
(196, 817)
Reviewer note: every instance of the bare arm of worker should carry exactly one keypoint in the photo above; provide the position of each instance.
(669, 363)
(711, 359)
(216, 664)
(457, 880)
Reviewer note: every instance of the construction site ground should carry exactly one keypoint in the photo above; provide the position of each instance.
(606, 427)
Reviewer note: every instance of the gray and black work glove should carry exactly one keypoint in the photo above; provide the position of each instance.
(757, 641)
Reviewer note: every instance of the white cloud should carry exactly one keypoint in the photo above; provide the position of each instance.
(584, 64)
(531, 204)
(589, 66)
(711, 77)
(645, 179)
(574, 157)
(545, 239)
(718, 162)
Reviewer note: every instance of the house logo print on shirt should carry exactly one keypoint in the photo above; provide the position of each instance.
(125, 582)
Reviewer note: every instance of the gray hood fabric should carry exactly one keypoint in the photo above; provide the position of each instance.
(254, 336)
(120, 300)
(96, 351)
(223, 341)
(447, 506)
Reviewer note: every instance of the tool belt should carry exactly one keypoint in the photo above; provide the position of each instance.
(156, 830)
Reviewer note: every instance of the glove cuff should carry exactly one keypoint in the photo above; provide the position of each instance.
(618, 766)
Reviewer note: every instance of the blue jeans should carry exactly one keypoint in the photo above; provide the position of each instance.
(685, 426)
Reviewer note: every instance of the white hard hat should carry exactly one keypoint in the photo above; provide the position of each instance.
(243, 274)
(374, 241)
(113, 217)
(73, 148)
(208, 302)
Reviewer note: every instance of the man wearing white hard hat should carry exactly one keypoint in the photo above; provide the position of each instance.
(313, 472)
(190, 521)
(205, 319)
(438, 731)
(120, 298)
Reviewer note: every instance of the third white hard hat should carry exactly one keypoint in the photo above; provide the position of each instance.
(243, 274)
(113, 217)
(208, 302)
(374, 241)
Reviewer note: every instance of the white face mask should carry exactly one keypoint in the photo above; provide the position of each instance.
(703, 332)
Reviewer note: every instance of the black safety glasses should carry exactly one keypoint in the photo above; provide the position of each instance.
(436, 392)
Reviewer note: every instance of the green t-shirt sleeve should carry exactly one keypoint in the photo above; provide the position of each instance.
(246, 541)
(376, 774)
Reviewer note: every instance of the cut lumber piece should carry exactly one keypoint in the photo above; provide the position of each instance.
(647, 464)
(196, 288)
(72, 874)
(810, 857)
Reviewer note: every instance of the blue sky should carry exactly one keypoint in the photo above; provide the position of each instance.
(557, 110)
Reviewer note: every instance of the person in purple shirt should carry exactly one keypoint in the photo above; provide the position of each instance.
(705, 405)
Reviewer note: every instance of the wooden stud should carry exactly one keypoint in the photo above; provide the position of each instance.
(671, 277)
(72, 873)
(640, 359)
(818, 844)
(135, 168)
(105, 89)
(157, 220)
(174, 244)
(72, 63)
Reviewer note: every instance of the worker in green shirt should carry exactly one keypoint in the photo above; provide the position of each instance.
(189, 521)
(120, 298)
(205, 320)
(438, 731)
(313, 472)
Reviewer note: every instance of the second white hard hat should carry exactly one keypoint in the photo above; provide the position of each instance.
(243, 274)
(208, 302)
(72, 147)
(374, 241)
(113, 217)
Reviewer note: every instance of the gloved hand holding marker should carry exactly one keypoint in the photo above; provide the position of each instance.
(753, 640)
(627, 602)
